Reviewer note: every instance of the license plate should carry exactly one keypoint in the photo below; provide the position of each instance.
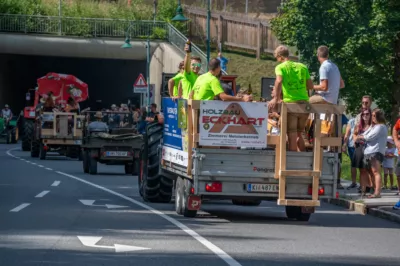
(31, 114)
(116, 153)
(262, 188)
(79, 142)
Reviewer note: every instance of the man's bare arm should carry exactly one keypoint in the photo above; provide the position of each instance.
(341, 82)
(187, 60)
(347, 134)
(180, 90)
(230, 98)
(395, 135)
(323, 86)
(171, 84)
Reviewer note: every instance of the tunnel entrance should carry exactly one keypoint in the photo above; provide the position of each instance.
(110, 81)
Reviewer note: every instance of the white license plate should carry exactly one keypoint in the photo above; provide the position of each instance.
(262, 188)
(31, 114)
(116, 153)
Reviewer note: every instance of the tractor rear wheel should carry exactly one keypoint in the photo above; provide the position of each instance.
(27, 135)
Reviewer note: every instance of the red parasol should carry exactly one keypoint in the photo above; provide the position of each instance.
(63, 86)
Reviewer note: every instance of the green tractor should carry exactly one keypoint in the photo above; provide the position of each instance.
(9, 129)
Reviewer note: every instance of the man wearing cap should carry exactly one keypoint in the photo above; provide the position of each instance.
(98, 125)
(6, 112)
(173, 82)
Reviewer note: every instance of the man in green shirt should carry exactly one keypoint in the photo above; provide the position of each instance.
(192, 67)
(293, 82)
(208, 86)
(173, 82)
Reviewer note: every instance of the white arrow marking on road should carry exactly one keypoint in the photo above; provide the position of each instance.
(56, 183)
(109, 206)
(90, 241)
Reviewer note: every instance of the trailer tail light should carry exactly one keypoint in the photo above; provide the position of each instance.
(192, 190)
(321, 190)
(46, 148)
(214, 187)
(337, 194)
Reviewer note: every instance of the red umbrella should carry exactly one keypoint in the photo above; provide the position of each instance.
(63, 86)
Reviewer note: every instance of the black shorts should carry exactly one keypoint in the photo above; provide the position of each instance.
(376, 155)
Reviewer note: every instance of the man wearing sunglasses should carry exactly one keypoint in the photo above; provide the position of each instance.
(192, 66)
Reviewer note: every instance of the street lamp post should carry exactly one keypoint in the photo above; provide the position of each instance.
(127, 45)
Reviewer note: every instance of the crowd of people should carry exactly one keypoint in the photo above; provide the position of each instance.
(366, 138)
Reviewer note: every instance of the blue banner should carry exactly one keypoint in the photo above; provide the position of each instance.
(172, 131)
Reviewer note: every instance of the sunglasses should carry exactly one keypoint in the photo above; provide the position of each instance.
(196, 65)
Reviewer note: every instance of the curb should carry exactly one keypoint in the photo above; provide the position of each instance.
(362, 209)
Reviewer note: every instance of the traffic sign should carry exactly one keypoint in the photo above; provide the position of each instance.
(140, 85)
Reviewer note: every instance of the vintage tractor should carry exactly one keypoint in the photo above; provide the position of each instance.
(9, 129)
(28, 119)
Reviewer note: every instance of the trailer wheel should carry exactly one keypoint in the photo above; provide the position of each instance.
(92, 164)
(128, 168)
(27, 134)
(42, 152)
(179, 196)
(35, 149)
(294, 212)
(85, 162)
(187, 186)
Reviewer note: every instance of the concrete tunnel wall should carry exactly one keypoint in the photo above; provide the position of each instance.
(164, 57)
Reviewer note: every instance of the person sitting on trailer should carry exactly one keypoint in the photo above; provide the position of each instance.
(98, 125)
(173, 82)
(208, 86)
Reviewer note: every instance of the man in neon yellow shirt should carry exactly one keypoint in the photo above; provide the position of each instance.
(208, 86)
(173, 82)
(293, 80)
(192, 67)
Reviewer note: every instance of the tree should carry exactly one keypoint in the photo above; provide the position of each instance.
(364, 40)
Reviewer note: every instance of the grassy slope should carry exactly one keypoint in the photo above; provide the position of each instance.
(249, 70)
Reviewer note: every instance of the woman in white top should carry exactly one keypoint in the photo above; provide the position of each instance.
(374, 153)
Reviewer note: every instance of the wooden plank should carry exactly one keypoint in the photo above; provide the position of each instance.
(301, 203)
(273, 140)
(300, 173)
(190, 140)
(194, 104)
(243, 46)
(282, 155)
(315, 108)
(330, 141)
(317, 163)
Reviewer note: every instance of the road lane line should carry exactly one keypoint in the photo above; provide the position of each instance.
(42, 194)
(49, 169)
(20, 207)
(56, 183)
(34, 163)
(40, 165)
(213, 248)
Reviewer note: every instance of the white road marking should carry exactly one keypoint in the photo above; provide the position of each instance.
(55, 183)
(49, 169)
(40, 165)
(42, 194)
(34, 163)
(90, 241)
(20, 207)
(213, 248)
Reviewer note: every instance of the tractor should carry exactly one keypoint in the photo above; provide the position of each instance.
(28, 119)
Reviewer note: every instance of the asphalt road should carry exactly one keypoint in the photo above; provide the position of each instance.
(53, 214)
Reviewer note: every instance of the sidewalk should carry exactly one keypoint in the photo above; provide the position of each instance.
(381, 207)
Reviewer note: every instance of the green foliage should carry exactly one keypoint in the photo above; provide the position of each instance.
(361, 37)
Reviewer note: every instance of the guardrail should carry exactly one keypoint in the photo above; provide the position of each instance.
(97, 28)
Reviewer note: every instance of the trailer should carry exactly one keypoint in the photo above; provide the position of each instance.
(221, 150)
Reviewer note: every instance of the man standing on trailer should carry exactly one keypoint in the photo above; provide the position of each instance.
(208, 86)
(293, 79)
(192, 66)
(173, 82)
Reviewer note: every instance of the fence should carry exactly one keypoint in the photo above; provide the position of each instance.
(232, 31)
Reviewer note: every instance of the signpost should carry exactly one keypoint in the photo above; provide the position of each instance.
(140, 86)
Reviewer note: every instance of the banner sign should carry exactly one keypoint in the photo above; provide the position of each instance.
(231, 124)
(175, 141)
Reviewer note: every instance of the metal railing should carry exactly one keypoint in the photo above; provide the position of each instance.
(84, 27)
(98, 27)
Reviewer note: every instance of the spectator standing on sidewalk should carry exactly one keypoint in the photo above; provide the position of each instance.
(349, 143)
(396, 138)
(375, 138)
(388, 163)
